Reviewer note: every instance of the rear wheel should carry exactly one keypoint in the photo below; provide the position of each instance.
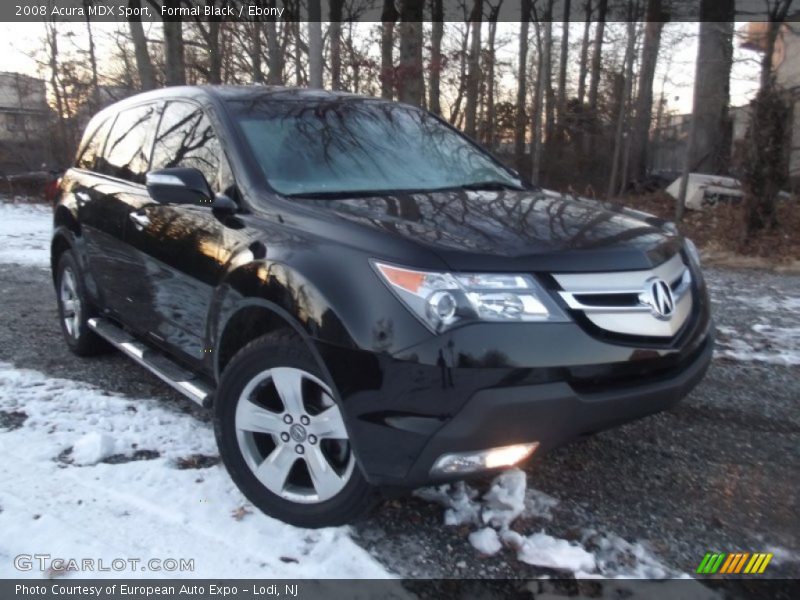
(283, 439)
(74, 308)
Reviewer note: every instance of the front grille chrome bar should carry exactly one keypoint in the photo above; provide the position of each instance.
(624, 300)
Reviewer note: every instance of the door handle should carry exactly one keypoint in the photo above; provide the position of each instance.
(82, 198)
(139, 221)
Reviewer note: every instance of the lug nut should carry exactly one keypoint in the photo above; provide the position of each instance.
(285, 436)
(305, 420)
(312, 439)
(299, 449)
(287, 418)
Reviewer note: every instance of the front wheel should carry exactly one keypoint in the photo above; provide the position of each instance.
(282, 437)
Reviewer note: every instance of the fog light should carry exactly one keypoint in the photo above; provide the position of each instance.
(470, 462)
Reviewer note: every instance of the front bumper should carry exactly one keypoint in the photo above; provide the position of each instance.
(545, 383)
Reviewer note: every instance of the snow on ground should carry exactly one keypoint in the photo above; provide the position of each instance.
(25, 233)
(88, 474)
(508, 498)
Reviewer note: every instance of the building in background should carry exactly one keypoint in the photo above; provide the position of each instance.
(25, 119)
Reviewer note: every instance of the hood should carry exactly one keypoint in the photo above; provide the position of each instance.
(531, 230)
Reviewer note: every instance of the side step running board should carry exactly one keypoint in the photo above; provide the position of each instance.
(186, 382)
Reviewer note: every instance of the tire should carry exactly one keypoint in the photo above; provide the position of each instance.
(75, 309)
(266, 436)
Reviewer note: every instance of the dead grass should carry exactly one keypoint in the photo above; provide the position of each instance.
(720, 233)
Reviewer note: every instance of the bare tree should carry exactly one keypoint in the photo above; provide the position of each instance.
(491, 116)
(777, 11)
(623, 110)
(547, 73)
(522, 73)
(711, 152)
(561, 101)
(144, 66)
(640, 134)
(437, 33)
(410, 82)
(584, 60)
(335, 35)
(473, 74)
(92, 57)
(389, 17)
(174, 58)
(275, 53)
(597, 54)
(314, 44)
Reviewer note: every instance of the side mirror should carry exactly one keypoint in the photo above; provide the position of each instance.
(179, 185)
(224, 205)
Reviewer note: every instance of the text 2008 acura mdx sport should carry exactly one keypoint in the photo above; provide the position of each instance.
(366, 298)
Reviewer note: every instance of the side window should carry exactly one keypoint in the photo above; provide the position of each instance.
(127, 151)
(185, 138)
(91, 149)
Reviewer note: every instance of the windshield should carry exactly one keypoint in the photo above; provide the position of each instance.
(356, 146)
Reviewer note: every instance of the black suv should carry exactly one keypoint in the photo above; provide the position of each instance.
(366, 298)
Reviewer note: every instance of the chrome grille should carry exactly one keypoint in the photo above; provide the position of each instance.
(617, 302)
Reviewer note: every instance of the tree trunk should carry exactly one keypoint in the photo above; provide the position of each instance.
(410, 85)
(335, 34)
(624, 108)
(175, 62)
(536, 115)
(597, 54)
(522, 74)
(712, 144)
(147, 76)
(584, 61)
(255, 52)
(314, 44)
(491, 116)
(275, 54)
(214, 53)
(547, 74)
(92, 58)
(640, 136)
(388, 19)
(455, 113)
(777, 15)
(473, 74)
(562, 71)
(437, 32)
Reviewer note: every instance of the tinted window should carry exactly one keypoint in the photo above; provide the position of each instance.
(185, 138)
(127, 151)
(92, 149)
(331, 147)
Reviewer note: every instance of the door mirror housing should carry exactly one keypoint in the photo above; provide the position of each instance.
(224, 205)
(179, 185)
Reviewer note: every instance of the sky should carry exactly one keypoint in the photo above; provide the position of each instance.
(20, 43)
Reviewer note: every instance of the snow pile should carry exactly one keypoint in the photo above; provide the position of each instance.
(130, 500)
(596, 555)
(544, 550)
(486, 541)
(762, 342)
(25, 230)
(92, 448)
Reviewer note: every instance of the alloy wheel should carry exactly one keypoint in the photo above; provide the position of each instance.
(292, 435)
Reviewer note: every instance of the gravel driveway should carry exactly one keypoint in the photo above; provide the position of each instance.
(718, 473)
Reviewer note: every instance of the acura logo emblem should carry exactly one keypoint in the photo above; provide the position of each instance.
(658, 296)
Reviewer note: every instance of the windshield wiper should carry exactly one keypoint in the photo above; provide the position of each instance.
(339, 194)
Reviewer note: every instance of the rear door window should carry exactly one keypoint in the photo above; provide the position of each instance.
(127, 151)
(186, 138)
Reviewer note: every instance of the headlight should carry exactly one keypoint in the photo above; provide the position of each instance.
(441, 300)
(692, 250)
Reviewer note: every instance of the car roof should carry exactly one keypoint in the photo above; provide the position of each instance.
(226, 93)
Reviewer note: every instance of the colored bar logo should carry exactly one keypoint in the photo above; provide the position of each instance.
(734, 563)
